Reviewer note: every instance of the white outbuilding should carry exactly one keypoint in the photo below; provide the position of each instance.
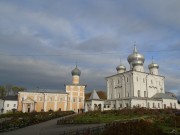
(8, 104)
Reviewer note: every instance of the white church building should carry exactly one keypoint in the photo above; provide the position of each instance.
(136, 88)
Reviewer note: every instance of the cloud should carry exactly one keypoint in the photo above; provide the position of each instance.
(40, 41)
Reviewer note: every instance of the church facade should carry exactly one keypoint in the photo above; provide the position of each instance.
(136, 88)
(71, 99)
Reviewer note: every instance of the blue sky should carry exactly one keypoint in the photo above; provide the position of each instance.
(40, 41)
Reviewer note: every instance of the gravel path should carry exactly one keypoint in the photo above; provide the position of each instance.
(48, 128)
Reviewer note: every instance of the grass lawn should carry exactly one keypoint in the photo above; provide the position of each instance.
(165, 120)
(106, 118)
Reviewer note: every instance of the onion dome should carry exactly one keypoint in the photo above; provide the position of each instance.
(153, 65)
(120, 67)
(137, 62)
(76, 71)
(135, 57)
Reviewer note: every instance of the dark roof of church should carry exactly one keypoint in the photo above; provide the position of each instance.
(10, 98)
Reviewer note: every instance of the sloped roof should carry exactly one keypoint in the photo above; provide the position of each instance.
(94, 95)
(163, 96)
(10, 98)
(100, 93)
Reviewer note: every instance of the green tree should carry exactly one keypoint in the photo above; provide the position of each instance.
(16, 89)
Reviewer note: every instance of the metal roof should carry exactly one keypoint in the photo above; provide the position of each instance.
(163, 96)
(94, 95)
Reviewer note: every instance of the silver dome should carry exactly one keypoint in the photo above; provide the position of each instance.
(120, 67)
(137, 62)
(153, 65)
(76, 71)
(135, 56)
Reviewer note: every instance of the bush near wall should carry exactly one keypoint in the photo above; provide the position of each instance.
(19, 119)
(136, 127)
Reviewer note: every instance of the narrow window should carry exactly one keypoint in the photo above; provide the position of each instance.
(171, 105)
(158, 105)
(153, 105)
(148, 105)
(139, 94)
(175, 105)
(143, 80)
(151, 82)
(164, 106)
(74, 100)
(137, 79)
(145, 94)
(7, 105)
(60, 99)
(119, 95)
(127, 79)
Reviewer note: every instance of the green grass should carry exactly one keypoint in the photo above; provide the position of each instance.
(106, 118)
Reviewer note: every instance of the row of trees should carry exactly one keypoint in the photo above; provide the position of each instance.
(10, 90)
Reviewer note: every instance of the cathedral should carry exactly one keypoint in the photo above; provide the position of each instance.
(134, 88)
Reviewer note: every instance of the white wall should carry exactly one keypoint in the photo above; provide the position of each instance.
(1, 105)
(170, 103)
(9, 105)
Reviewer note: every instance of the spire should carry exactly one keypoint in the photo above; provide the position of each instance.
(76, 63)
(135, 49)
(152, 59)
(120, 61)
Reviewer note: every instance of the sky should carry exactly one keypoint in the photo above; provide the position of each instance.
(41, 41)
